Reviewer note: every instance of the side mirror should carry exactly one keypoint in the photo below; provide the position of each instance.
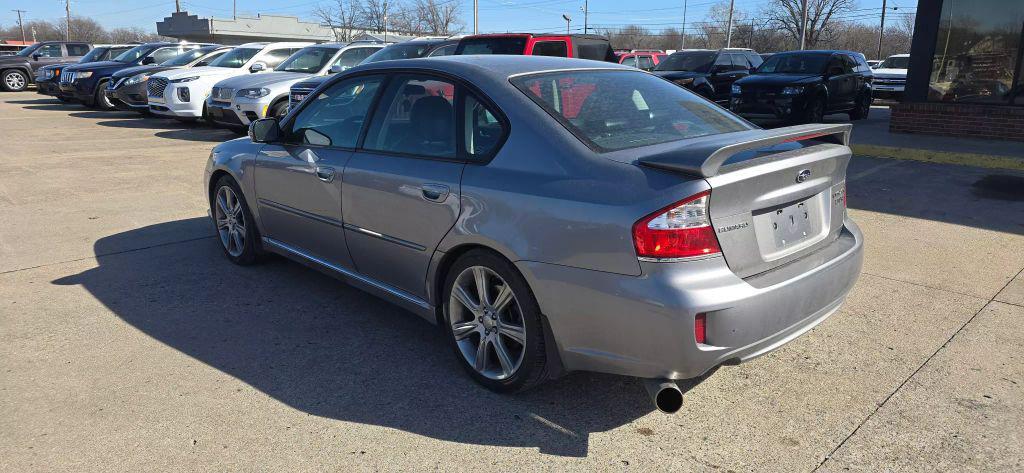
(36, 56)
(257, 67)
(337, 68)
(264, 130)
(148, 60)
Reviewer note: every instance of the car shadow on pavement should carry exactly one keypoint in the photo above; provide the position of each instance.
(325, 348)
(54, 105)
(990, 199)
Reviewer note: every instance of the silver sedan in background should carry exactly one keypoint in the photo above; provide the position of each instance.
(551, 214)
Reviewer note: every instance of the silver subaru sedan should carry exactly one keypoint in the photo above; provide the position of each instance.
(551, 214)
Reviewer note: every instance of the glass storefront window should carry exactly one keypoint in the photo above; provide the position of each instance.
(977, 56)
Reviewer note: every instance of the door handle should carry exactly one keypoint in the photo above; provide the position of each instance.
(435, 192)
(325, 173)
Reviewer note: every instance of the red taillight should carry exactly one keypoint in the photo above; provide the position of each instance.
(680, 230)
(700, 328)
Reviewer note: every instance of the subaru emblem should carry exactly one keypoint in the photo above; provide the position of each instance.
(803, 175)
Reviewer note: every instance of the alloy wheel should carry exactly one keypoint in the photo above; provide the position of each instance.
(14, 81)
(230, 221)
(487, 323)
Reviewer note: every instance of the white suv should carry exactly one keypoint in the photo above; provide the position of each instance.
(182, 93)
(890, 77)
(237, 101)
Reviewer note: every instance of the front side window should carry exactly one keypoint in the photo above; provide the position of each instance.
(335, 117)
(416, 116)
(49, 50)
(629, 61)
(550, 48)
(352, 57)
(77, 49)
(613, 110)
(978, 55)
(308, 60)
(235, 58)
(483, 131)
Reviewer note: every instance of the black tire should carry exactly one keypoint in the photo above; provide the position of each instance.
(100, 99)
(533, 369)
(862, 108)
(14, 80)
(815, 111)
(279, 110)
(250, 249)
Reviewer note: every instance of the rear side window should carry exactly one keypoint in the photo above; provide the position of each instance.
(443, 51)
(77, 49)
(645, 63)
(754, 59)
(550, 48)
(498, 45)
(483, 131)
(416, 116)
(352, 57)
(614, 110)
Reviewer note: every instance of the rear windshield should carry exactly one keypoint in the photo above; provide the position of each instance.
(188, 56)
(690, 61)
(309, 60)
(613, 110)
(94, 55)
(500, 45)
(134, 53)
(797, 63)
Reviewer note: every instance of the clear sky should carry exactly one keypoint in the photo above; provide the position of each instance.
(495, 15)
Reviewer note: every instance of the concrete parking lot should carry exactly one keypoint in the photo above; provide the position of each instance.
(127, 341)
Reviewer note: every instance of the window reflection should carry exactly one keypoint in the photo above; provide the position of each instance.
(977, 56)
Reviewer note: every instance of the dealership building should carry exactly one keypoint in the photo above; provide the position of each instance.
(966, 73)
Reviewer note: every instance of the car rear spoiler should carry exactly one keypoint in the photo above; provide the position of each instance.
(705, 155)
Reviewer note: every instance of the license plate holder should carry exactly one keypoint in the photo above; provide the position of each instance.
(792, 224)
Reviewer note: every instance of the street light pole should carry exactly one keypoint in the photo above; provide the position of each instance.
(476, 14)
(803, 28)
(567, 21)
(728, 34)
(67, 11)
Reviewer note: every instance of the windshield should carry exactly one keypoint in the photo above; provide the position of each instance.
(794, 64)
(187, 57)
(896, 62)
(235, 58)
(309, 60)
(399, 51)
(134, 54)
(27, 50)
(501, 45)
(690, 61)
(94, 55)
(613, 110)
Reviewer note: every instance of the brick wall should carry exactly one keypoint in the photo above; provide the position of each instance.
(965, 120)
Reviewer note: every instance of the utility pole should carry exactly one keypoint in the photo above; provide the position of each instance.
(728, 34)
(476, 15)
(586, 13)
(177, 5)
(24, 39)
(881, 31)
(803, 28)
(67, 12)
(682, 36)
(234, 9)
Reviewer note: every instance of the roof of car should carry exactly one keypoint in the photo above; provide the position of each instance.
(494, 64)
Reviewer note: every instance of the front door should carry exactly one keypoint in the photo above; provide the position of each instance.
(401, 192)
(47, 54)
(298, 181)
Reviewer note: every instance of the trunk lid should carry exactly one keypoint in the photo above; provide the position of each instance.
(776, 195)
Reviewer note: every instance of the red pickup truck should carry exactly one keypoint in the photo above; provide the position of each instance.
(582, 46)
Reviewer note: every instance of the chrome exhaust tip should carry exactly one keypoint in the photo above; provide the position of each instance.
(665, 394)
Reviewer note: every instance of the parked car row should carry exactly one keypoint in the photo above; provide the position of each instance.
(550, 214)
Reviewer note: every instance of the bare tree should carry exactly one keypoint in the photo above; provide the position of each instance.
(84, 29)
(374, 14)
(821, 15)
(127, 35)
(342, 18)
(439, 17)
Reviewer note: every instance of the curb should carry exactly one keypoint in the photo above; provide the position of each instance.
(941, 157)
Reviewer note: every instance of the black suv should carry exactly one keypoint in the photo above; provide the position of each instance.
(48, 77)
(708, 72)
(804, 86)
(19, 70)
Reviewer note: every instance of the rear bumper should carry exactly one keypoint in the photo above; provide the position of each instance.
(643, 326)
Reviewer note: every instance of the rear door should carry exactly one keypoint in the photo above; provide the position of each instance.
(401, 191)
(299, 180)
(77, 50)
